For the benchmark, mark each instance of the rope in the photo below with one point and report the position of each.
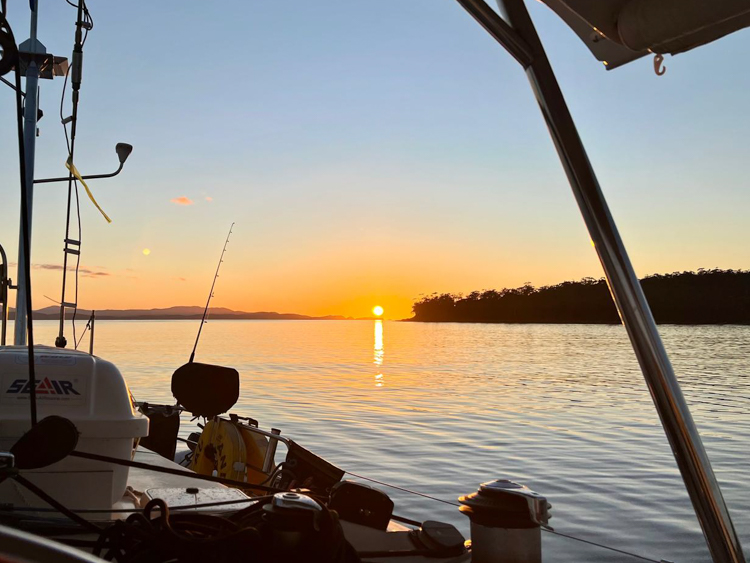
(136, 510)
(641, 557)
(402, 489)
(51, 501)
(179, 472)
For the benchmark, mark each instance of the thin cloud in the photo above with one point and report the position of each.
(209, 198)
(85, 272)
(182, 200)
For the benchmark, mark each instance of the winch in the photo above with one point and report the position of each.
(506, 520)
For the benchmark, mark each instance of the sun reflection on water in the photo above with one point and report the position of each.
(378, 352)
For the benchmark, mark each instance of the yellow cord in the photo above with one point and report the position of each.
(73, 170)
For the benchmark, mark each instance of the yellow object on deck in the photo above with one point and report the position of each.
(255, 448)
(232, 450)
(221, 449)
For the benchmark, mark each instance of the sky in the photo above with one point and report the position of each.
(368, 153)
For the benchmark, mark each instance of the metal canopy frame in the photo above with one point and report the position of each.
(515, 31)
(5, 284)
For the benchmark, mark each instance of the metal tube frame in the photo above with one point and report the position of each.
(31, 105)
(271, 451)
(628, 295)
(274, 437)
(4, 286)
(500, 30)
(91, 177)
(91, 336)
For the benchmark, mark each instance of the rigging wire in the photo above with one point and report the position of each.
(88, 20)
(84, 22)
(10, 84)
(137, 510)
(402, 489)
(63, 120)
(590, 542)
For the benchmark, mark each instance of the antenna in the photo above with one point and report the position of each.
(210, 295)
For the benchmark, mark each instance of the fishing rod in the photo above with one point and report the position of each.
(210, 295)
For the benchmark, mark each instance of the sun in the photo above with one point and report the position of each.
(377, 310)
(146, 251)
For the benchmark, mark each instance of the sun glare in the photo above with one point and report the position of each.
(377, 311)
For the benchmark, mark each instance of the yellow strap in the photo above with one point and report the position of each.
(73, 170)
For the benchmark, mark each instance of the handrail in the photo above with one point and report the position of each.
(274, 437)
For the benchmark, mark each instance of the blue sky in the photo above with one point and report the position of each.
(368, 152)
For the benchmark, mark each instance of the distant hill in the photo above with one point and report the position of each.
(180, 312)
(702, 297)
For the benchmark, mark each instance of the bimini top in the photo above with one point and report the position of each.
(620, 31)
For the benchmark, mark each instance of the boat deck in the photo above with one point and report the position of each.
(175, 490)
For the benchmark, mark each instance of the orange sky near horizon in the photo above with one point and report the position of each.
(414, 160)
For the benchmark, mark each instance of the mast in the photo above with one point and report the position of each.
(31, 106)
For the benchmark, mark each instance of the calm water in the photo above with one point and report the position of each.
(439, 408)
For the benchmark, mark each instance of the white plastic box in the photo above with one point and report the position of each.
(92, 394)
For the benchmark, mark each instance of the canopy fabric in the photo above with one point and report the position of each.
(619, 31)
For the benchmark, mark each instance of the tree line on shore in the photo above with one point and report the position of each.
(703, 297)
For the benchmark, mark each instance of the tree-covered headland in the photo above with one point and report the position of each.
(702, 297)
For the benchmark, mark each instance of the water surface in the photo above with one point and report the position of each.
(440, 408)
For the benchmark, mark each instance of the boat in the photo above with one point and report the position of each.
(87, 472)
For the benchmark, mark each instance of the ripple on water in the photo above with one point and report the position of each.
(441, 408)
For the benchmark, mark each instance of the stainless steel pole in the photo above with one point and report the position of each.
(31, 106)
(4, 284)
(91, 339)
(628, 295)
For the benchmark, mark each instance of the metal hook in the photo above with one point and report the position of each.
(658, 68)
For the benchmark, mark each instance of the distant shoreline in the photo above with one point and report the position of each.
(705, 297)
(181, 313)
(411, 320)
(85, 316)
(600, 323)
